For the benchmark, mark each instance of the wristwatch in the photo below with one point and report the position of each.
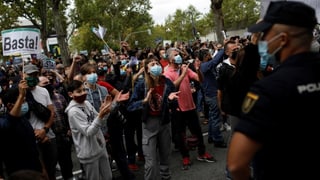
(46, 129)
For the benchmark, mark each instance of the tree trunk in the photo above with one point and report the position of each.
(216, 7)
(61, 33)
(43, 27)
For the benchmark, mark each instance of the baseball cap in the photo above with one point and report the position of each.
(288, 13)
(30, 68)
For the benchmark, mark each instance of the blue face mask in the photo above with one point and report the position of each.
(123, 62)
(122, 72)
(92, 78)
(164, 56)
(156, 70)
(178, 59)
(24, 108)
(265, 56)
(105, 68)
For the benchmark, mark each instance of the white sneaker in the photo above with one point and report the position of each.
(227, 126)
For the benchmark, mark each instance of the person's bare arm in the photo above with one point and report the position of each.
(16, 109)
(75, 61)
(61, 79)
(136, 75)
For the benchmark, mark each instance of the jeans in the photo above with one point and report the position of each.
(199, 101)
(214, 120)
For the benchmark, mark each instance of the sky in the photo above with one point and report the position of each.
(163, 8)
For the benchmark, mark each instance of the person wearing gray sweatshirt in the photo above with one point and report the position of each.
(85, 124)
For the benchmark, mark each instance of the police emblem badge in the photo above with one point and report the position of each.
(249, 101)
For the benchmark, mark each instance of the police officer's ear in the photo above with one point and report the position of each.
(284, 37)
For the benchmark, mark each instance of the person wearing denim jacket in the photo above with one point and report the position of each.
(155, 96)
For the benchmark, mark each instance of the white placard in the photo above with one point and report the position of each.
(48, 64)
(20, 41)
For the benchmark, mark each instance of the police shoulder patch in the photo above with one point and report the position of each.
(249, 102)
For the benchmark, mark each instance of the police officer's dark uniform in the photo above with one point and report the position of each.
(280, 111)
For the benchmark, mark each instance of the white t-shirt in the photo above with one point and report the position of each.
(41, 95)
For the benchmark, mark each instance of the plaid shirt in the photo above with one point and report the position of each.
(61, 124)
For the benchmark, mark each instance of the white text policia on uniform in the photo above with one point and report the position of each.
(311, 87)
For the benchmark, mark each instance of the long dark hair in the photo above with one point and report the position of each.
(150, 83)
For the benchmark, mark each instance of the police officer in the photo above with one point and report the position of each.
(274, 132)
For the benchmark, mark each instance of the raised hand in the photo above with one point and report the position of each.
(184, 69)
(77, 58)
(23, 88)
(107, 101)
(105, 107)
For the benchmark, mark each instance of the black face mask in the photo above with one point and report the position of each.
(50, 89)
(234, 54)
(80, 99)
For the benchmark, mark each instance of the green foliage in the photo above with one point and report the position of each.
(238, 15)
(85, 40)
(183, 25)
(8, 17)
(38, 12)
(120, 18)
(123, 19)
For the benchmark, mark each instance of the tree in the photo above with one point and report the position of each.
(9, 19)
(37, 12)
(60, 30)
(216, 7)
(238, 15)
(120, 18)
(182, 25)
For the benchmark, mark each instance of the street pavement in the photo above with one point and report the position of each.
(198, 170)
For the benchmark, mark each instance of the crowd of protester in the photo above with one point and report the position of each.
(134, 79)
(154, 97)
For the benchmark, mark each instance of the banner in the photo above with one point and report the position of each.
(20, 41)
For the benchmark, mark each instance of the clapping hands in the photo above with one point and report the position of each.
(105, 107)
(122, 97)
